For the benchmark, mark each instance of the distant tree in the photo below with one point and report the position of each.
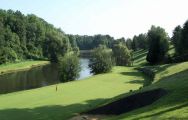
(158, 45)
(143, 41)
(121, 40)
(184, 39)
(180, 41)
(121, 55)
(129, 44)
(176, 39)
(72, 40)
(140, 42)
(69, 67)
(90, 42)
(101, 61)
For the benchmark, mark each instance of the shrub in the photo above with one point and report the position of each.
(121, 54)
(101, 61)
(69, 67)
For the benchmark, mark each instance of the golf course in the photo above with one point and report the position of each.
(94, 60)
(76, 97)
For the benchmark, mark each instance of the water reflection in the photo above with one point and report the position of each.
(36, 77)
(85, 72)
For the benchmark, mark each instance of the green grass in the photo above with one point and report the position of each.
(10, 67)
(171, 50)
(139, 57)
(174, 106)
(71, 98)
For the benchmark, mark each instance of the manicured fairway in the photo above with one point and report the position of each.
(139, 58)
(71, 98)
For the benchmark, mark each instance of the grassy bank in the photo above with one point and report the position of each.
(140, 58)
(174, 106)
(71, 98)
(11, 67)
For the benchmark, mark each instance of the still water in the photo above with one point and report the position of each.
(36, 77)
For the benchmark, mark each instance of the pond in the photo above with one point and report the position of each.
(37, 77)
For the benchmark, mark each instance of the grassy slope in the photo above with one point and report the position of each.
(139, 58)
(10, 67)
(73, 97)
(174, 106)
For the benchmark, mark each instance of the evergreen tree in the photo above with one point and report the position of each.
(184, 39)
(176, 40)
(158, 45)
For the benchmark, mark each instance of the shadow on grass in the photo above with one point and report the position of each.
(159, 68)
(177, 94)
(137, 74)
(129, 103)
(54, 112)
(139, 51)
(140, 55)
(136, 82)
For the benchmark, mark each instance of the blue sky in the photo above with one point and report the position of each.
(118, 18)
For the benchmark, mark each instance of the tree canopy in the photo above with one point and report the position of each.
(121, 54)
(29, 37)
(69, 67)
(101, 61)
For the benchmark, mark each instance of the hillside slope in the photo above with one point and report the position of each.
(174, 106)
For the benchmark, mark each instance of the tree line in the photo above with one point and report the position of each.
(180, 41)
(86, 42)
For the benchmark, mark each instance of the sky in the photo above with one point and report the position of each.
(118, 18)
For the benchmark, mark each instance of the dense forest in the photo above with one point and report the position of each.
(29, 37)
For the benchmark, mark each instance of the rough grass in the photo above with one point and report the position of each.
(11, 67)
(71, 98)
